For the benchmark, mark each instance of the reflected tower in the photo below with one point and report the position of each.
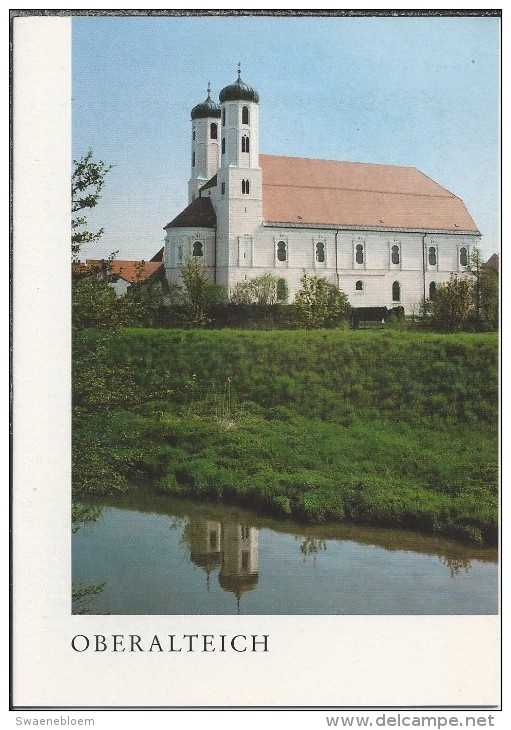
(239, 571)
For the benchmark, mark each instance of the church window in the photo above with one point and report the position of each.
(245, 144)
(359, 253)
(193, 159)
(245, 118)
(463, 256)
(245, 532)
(197, 248)
(223, 188)
(213, 130)
(320, 252)
(359, 285)
(179, 253)
(432, 256)
(396, 292)
(245, 187)
(281, 251)
(432, 290)
(193, 134)
(223, 145)
(394, 254)
(223, 117)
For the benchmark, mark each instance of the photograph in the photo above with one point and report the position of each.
(285, 314)
(256, 360)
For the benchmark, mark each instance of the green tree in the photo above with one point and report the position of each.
(320, 303)
(266, 289)
(87, 181)
(200, 292)
(452, 305)
(485, 291)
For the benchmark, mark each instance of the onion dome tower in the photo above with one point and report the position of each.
(205, 144)
(239, 105)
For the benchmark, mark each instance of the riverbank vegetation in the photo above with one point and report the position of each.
(390, 428)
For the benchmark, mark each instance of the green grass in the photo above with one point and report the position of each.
(381, 427)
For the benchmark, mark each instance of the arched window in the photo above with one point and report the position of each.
(432, 256)
(394, 254)
(281, 251)
(193, 133)
(320, 252)
(359, 286)
(245, 187)
(396, 292)
(197, 249)
(245, 144)
(223, 188)
(213, 130)
(432, 290)
(359, 253)
(223, 145)
(223, 117)
(245, 118)
(193, 159)
(463, 256)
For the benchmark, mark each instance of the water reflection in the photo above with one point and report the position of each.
(233, 548)
(160, 555)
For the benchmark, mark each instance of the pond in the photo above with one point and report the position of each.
(161, 556)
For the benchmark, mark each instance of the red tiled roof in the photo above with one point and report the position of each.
(131, 271)
(326, 192)
(199, 214)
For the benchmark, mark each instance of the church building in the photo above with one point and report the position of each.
(385, 235)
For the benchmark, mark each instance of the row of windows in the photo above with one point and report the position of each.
(245, 187)
(245, 116)
(245, 144)
(213, 131)
(396, 289)
(395, 255)
(282, 253)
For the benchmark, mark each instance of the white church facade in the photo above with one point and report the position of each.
(385, 235)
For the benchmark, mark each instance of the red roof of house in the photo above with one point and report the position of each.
(131, 271)
(355, 194)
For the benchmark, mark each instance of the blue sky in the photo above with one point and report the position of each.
(419, 92)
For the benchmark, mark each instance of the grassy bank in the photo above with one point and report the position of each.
(379, 427)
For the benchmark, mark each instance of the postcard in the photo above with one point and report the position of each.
(256, 360)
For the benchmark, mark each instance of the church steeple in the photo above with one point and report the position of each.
(205, 144)
(239, 105)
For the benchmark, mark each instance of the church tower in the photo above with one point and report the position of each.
(205, 144)
(239, 196)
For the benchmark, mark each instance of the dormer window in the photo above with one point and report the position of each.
(245, 115)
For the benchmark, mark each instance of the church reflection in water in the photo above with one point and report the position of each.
(229, 547)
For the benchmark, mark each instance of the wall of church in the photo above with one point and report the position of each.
(183, 243)
(372, 268)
